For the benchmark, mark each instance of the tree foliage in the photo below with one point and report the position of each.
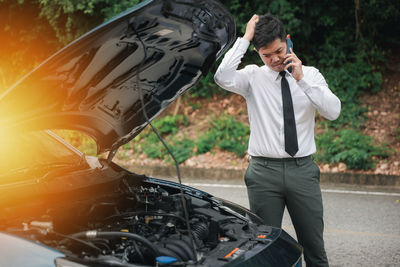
(71, 19)
(32, 30)
(325, 33)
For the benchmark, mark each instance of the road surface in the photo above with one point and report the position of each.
(362, 225)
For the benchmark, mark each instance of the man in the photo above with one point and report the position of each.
(281, 107)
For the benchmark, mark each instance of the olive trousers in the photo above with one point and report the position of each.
(273, 184)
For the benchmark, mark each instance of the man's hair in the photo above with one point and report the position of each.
(268, 28)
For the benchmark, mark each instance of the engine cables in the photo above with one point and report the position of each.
(185, 210)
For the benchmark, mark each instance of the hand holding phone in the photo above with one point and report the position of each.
(296, 65)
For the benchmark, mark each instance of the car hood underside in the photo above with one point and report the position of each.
(156, 50)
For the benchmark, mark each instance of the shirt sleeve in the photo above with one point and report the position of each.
(228, 76)
(321, 97)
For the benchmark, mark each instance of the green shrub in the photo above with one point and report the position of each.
(182, 148)
(354, 149)
(348, 82)
(227, 134)
(205, 142)
(194, 105)
(147, 141)
(153, 147)
(165, 125)
(169, 124)
(231, 135)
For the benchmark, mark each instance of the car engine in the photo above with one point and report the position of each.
(139, 223)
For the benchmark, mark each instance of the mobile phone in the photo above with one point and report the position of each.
(289, 44)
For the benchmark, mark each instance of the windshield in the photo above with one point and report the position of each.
(32, 150)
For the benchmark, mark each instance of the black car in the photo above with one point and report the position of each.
(60, 207)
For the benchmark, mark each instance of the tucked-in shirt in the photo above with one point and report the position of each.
(261, 87)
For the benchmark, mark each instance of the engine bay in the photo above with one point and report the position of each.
(137, 223)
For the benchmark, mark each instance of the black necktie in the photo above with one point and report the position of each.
(291, 146)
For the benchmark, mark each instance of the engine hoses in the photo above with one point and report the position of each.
(95, 234)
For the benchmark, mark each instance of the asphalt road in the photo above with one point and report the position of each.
(362, 225)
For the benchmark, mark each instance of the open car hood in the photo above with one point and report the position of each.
(91, 85)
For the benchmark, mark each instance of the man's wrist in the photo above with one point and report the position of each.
(247, 37)
(300, 78)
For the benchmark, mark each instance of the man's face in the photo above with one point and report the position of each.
(273, 54)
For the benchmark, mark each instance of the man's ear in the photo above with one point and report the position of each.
(255, 49)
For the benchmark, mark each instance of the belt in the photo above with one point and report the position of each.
(282, 159)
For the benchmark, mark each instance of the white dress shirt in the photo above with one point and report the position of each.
(261, 87)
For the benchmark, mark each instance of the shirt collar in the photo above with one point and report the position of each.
(274, 74)
(278, 76)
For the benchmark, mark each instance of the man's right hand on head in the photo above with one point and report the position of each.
(250, 28)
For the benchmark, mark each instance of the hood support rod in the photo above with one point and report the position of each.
(111, 154)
